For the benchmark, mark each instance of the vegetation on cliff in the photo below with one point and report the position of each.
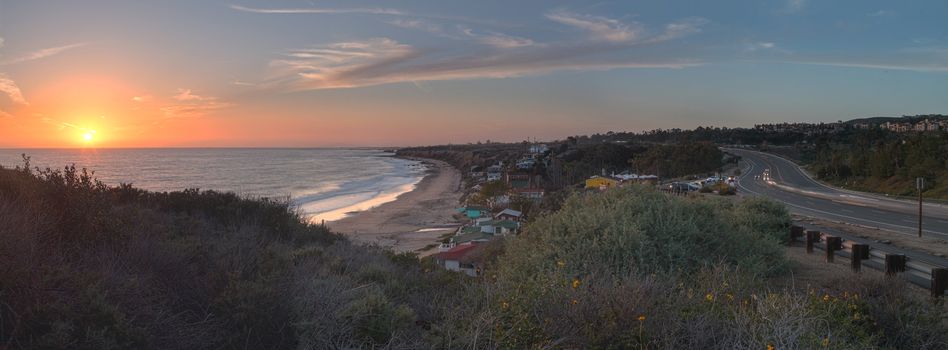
(88, 266)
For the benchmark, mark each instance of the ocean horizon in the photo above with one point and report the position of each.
(323, 183)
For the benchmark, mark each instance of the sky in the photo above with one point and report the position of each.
(327, 73)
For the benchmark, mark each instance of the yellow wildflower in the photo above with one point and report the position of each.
(641, 318)
(856, 316)
(561, 263)
(574, 302)
(770, 347)
(709, 297)
(504, 305)
(826, 342)
(730, 297)
(826, 297)
(576, 283)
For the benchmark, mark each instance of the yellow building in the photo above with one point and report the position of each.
(601, 182)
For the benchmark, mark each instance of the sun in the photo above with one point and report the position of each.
(88, 136)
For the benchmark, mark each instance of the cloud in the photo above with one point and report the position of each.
(794, 6)
(379, 61)
(915, 67)
(63, 125)
(764, 46)
(190, 104)
(680, 28)
(505, 41)
(498, 40)
(383, 61)
(187, 95)
(42, 53)
(417, 24)
(9, 88)
(601, 28)
(880, 13)
(364, 10)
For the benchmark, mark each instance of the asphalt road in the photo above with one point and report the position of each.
(780, 179)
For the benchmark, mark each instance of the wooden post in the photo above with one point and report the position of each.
(811, 238)
(833, 244)
(894, 263)
(939, 282)
(795, 231)
(860, 252)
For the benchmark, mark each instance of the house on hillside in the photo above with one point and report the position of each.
(494, 172)
(474, 212)
(526, 163)
(499, 227)
(460, 259)
(601, 182)
(532, 193)
(509, 215)
(518, 180)
(471, 234)
(539, 148)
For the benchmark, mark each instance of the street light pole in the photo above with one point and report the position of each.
(920, 184)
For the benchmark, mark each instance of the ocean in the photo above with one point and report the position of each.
(325, 184)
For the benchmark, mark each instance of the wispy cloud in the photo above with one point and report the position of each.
(43, 53)
(920, 67)
(794, 6)
(498, 40)
(382, 61)
(363, 10)
(418, 25)
(601, 28)
(8, 87)
(358, 10)
(189, 104)
(764, 47)
(188, 95)
(64, 125)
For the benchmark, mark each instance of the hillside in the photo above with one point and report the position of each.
(87, 266)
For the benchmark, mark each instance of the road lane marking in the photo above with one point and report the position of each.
(845, 216)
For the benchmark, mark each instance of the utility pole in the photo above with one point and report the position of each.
(920, 185)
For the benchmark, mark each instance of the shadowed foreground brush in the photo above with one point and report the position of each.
(88, 266)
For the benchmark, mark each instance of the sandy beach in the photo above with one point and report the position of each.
(415, 220)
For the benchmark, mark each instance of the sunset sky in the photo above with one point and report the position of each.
(389, 73)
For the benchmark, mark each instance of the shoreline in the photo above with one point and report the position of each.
(415, 220)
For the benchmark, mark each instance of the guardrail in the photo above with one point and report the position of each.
(926, 275)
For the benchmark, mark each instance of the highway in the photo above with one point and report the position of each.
(780, 179)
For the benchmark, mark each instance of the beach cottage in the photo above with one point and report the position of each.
(509, 214)
(499, 227)
(459, 259)
(474, 212)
